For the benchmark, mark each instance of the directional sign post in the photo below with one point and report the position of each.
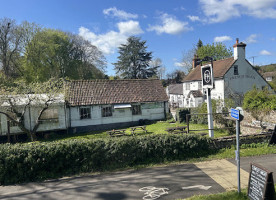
(235, 113)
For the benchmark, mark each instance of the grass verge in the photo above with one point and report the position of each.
(231, 195)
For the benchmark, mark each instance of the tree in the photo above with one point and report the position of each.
(56, 54)
(157, 63)
(174, 77)
(187, 60)
(133, 61)
(199, 44)
(13, 39)
(217, 51)
(16, 100)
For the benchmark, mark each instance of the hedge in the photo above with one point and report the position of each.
(39, 161)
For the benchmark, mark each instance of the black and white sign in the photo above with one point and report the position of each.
(207, 76)
(260, 186)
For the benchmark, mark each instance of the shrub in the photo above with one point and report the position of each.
(40, 161)
(259, 101)
(181, 114)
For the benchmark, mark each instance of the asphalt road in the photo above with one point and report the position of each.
(266, 161)
(162, 182)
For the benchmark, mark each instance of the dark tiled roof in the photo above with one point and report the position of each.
(195, 93)
(220, 67)
(175, 89)
(104, 91)
(269, 74)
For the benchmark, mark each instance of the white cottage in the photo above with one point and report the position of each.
(233, 77)
(108, 104)
(175, 94)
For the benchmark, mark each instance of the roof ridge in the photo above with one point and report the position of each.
(94, 80)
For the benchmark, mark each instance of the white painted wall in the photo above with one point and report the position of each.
(46, 126)
(150, 111)
(218, 91)
(244, 81)
(176, 98)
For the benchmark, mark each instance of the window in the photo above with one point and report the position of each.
(236, 70)
(106, 111)
(199, 85)
(85, 113)
(136, 110)
(187, 86)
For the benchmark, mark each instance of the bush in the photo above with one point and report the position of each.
(181, 114)
(40, 161)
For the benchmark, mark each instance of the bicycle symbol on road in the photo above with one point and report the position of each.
(153, 192)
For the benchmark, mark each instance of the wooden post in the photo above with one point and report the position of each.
(187, 122)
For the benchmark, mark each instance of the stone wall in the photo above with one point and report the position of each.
(227, 142)
(251, 125)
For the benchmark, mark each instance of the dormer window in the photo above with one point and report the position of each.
(236, 70)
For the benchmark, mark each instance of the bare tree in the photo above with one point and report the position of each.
(157, 64)
(13, 39)
(187, 60)
(15, 101)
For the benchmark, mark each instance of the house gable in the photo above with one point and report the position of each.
(220, 67)
(241, 77)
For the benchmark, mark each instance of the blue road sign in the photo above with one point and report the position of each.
(235, 114)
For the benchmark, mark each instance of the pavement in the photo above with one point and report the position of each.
(162, 183)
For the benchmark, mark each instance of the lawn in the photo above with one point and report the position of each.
(231, 195)
(155, 128)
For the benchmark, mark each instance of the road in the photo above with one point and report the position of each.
(162, 183)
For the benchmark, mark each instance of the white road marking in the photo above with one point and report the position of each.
(202, 187)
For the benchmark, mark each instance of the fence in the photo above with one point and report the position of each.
(222, 121)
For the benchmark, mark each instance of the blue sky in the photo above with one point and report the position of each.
(170, 27)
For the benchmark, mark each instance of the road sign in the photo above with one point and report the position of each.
(207, 76)
(235, 114)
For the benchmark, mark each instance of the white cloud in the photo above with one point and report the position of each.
(222, 10)
(265, 53)
(129, 28)
(114, 12)
(222, 38)
(179, 64)
(193, 18)
(109, 41)
(170, 25)
(251, 39)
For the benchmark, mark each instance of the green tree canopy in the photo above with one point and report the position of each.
(199, 44)
(217, 51)
(55, 54)
(134, 60)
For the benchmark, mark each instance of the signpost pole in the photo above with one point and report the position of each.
(238, 115)
(238, 153)
(210, 116)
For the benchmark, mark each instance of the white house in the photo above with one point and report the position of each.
(269, 76)
(96, 105)
(233, 77)
(107, 104)
(175, 94)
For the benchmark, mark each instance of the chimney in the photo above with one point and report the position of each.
(239, 50)
(195, 59)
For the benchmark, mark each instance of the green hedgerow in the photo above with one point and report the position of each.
(40, 161)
